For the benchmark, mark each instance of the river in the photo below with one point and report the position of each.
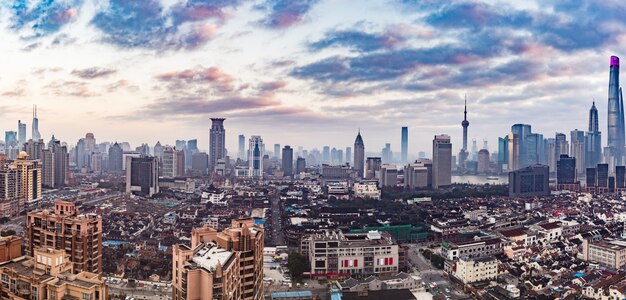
(479, 179)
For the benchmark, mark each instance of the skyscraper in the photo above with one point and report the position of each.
(615, 119)
(593, 140)
(513, 149)
(348, 154)
(287, 161)
(242, 147)
(115, 158)
(359, 155)
(142, 175)
(217, 143)
(277, 151)
(577, 150)
(326, 154)
(35, 129)
(566, 170)
(404, 145)
(256, 150)
(21, 132)
(442, 161)
(300, 165)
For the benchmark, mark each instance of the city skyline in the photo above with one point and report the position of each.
(272, 65)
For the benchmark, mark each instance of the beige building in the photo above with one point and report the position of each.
(470, 270)
(10, 247)
(607, 253)
(366, 189)
(48, 275)
(220, 265)
(29, 178)
(65, 229)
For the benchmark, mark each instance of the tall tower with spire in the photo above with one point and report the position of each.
(359, 155)
(615, 118)
(36, 136)
(463, 153)
(593, 139)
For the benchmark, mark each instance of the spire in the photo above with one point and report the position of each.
(465, 110)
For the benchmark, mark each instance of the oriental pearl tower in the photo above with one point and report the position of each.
(463, 152)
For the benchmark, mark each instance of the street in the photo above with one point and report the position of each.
(431, 274)
(276, 228)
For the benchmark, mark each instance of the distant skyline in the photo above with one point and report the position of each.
(305, 72)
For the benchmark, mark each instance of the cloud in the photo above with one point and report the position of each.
(121, 85)
(358, 40)
(286, 13)
(16, 92)
(199, 76)
(93, 72)
(272, 86)
(70, 88)
(146, 24)
(42, 18)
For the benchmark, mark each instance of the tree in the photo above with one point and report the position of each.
(297, 265)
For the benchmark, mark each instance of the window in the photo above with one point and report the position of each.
(86, 296)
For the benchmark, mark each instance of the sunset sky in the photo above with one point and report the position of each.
(305, 72)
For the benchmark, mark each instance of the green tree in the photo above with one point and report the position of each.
(297, 265)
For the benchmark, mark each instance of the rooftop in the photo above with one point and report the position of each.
(207, 256)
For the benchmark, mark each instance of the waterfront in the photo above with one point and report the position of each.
(479, 179)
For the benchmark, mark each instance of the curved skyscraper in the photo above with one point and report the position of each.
(615, 118)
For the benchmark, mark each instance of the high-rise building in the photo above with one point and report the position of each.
(10, 200)
(34, 148)
(158, 151)
(169, 162)
(334, 157)
(116, 158)
(463, 154)
(550, 153)
(577, 150)
(523, 131)
(30, 178)
(372, 167)
(602, 177)
(35, 127)
(404, 145)
(503, 152)
(442, 161)
(562, 147)
(217, 143)
(416, 175)
(79, 235)
(21, 132)
(47, 168)
(11, 147)
(615, 119)
(483, 161)
(530, 181)
(277, 151)
(256, 150)
(566, 170)
(386, 154)
(300, 165)
(242, 147)
(61, 164)
(388, 176)
(142, 175)
(287, 158)
(180, 163)
(348, 154)
(359, 155)
(79, 154)
(620, 177)
(326, 154)
(200, 163)
(220, 265)
(593, 140)
(514, 149)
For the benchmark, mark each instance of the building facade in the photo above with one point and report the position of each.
(442, 161)
(65, 229)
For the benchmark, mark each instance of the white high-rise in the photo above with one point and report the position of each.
(442, 161)
(256, 150)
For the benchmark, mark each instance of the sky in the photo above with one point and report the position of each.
(305, 72)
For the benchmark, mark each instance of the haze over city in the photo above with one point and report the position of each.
(299, 71)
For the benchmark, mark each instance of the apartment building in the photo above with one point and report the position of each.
(332, 253)
(79, 235)
(220, 265)
(470, 270)
(608, 253)
(48, 275)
